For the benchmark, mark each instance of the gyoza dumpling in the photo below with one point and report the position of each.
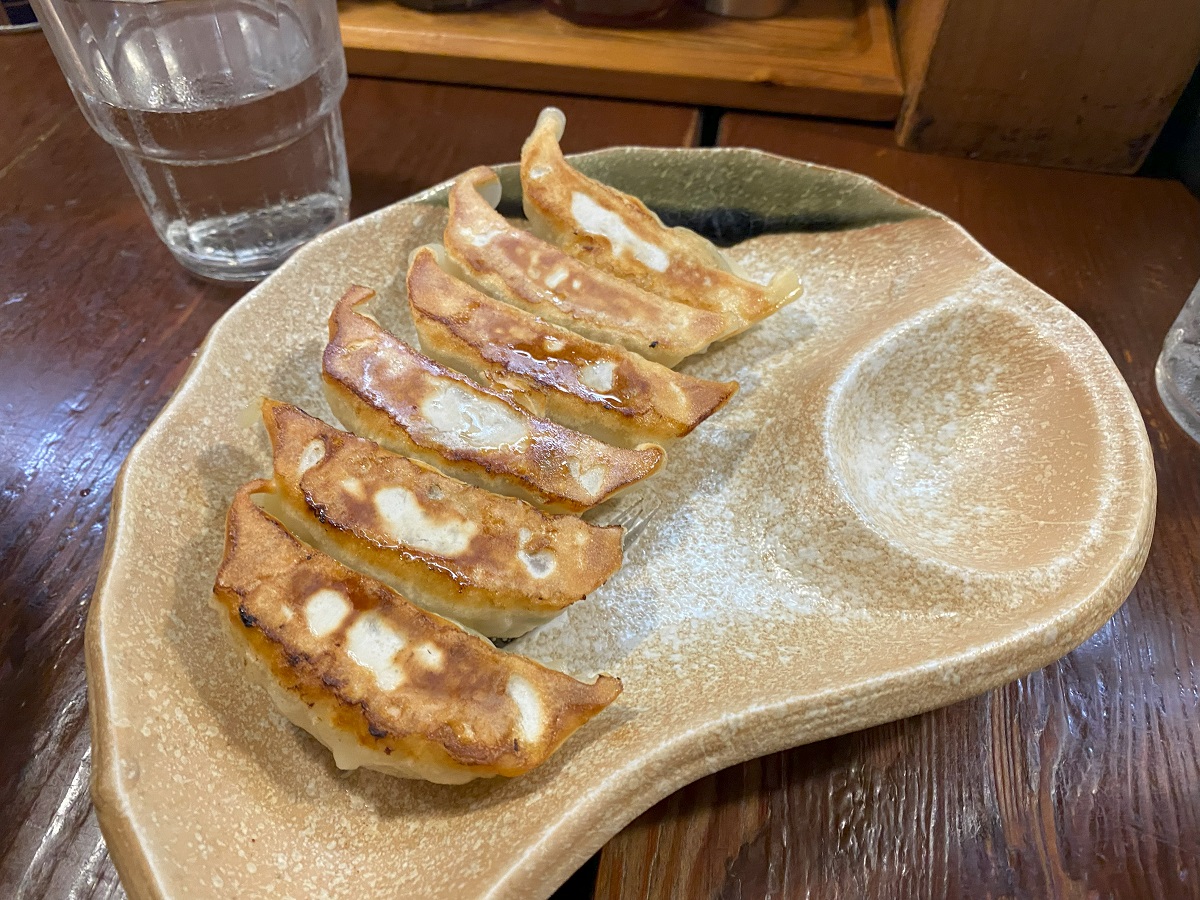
(617, 233)
(383, 389)
(603, 390)
(515, 266)
(494, 564)
(380, 682)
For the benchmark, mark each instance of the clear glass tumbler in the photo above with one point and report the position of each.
(1178, 369)
(224, 114)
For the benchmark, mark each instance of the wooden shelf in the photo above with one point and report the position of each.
(825, 57)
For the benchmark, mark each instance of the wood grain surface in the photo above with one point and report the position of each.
(97, 325)
(1081, 780)
(822, 57)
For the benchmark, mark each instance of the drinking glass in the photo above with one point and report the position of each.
(1178, 370)
(224, 114)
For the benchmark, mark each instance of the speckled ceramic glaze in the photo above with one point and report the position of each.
(932, 481)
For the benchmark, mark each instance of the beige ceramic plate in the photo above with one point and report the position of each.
(932, 481)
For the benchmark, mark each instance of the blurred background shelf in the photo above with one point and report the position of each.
(823, 57)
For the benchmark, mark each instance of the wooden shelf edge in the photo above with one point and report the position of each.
(867, 86)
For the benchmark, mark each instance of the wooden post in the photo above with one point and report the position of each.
(1083, 84)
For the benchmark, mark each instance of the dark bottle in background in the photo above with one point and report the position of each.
(613, 13)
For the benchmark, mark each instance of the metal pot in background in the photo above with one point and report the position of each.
(746, 9)
(446, 5)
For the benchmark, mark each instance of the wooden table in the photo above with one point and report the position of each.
(1080, 780)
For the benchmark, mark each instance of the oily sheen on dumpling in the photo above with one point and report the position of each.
(378, 681)
(601, 389)
(521, 269)
(494, 564)
(615, 232)
(384, 390)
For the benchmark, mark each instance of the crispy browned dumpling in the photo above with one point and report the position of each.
(604, 390)
(519, 268)
(615, 232)
(383, 389)
(494, 564)
(380, 682)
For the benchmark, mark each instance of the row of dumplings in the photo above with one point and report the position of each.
(362, 579)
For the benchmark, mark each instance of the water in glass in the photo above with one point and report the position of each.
(225, 116)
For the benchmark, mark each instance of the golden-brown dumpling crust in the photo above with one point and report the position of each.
(521, 269)
(388, 685)
(604, 390)
(492, 563)
(383, 389)
(615, 232)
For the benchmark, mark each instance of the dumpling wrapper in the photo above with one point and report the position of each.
(380, 682)
(494, 564)
(519, 268)
(615, 232)
(383, 389)
(600, 389)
